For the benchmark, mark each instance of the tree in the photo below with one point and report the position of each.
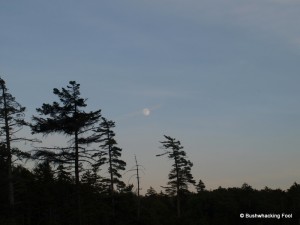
(137, 169)
(151, 192)
(246, 187)
(91, 179)
(68, 118)
(11, 121)
(138, 189)
(44, 189)
(293, 194)
(137, 175)
(180, 175)
(63, 175)
(200, 186)
(110, 155)
(43, 172)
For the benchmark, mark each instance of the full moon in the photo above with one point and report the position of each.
(146, 112)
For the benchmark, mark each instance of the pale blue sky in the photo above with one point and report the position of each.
(221, 76)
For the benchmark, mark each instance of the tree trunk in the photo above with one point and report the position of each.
(111, 179)
(9, 162)
(77, 182)
(177, 186)
(138, 191)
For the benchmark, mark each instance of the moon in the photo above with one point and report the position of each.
(146, 112)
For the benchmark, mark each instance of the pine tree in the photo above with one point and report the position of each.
(110, 155)
(63, 175)
(151, 192)
(12, 120)
(44, 189)
(180, 175)
(200, 186)
(44, 173)
(93, 180)
(68, 118)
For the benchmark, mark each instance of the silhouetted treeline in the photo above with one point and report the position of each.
(45, 197)
(65, 186)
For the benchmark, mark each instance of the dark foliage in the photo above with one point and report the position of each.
(45, 199)
(12, 121)
(67, 117)
(180, 175)
(110, 154)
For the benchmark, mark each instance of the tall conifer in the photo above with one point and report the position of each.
(68, 117)
(110, 155)
(12, 120)
(180, 175)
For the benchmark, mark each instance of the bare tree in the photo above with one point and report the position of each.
(137, 169)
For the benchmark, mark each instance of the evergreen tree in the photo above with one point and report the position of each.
(110, 154)
(63, 175)
(180, 175)
(44, 189)
(93, 180)
(200, 186)
(151, 192)
(3, 183)
(44, 173)
(11, 121)
(67, 117)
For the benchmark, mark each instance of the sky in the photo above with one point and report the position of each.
(220, 76)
